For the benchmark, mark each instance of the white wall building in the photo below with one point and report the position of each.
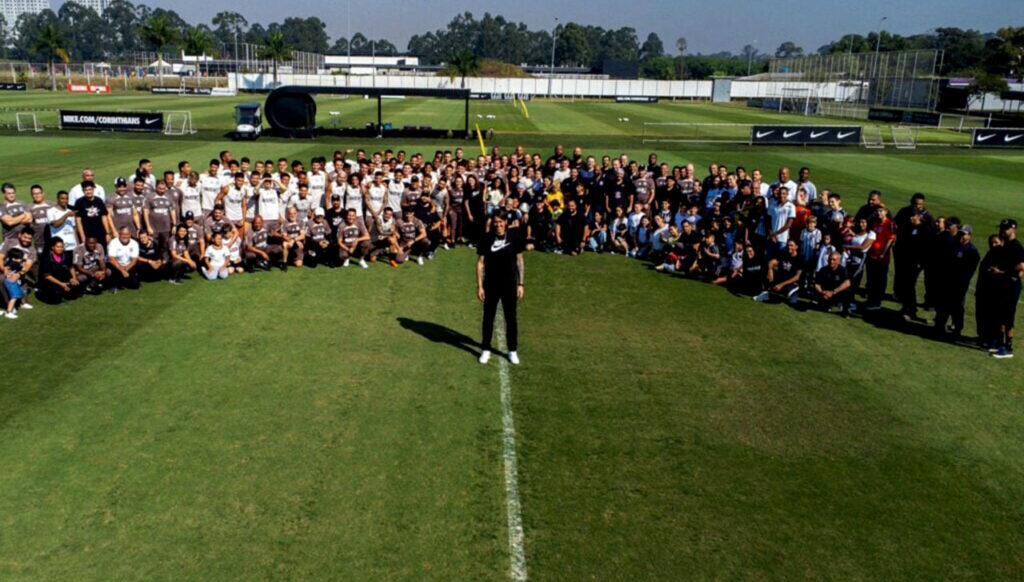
(12, 9)
(98, 5)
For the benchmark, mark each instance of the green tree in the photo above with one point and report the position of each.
(681, 45)
(788, 50)
(661, 68)
(652, 48)
(198, 42)
(229, 26)
(275, 50)
(985, 82)
(80, 24)
(462, 63)
(571, 47)
(158, 32)
(120, 22)
(51, 40)
(5, 35)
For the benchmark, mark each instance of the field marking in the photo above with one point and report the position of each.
(516, 550)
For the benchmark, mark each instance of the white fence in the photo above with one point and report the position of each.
(778, 89)
(522, 86)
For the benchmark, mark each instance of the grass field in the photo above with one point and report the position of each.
(335, 425)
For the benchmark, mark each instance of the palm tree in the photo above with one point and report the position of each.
(275, 50)
(462, 63)
(51, 41)
(198, 42)
(157, 32)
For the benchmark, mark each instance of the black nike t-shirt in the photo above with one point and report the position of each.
(499, 253)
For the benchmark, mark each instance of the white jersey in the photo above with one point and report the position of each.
(354, 199)
(209, 187)
(218, 256)
(269, 204)
(191, 199)
(395, 191)
(303, 205)
(66, 230)
(233, 203)
(317, 187)
(378, 196)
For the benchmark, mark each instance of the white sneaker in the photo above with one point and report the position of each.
(485, 356)
(419, 261)
(762, 297)
(446, 247)
(13, 315)
(362, 263)
(26, 305)
(346, 263)
(513, 358)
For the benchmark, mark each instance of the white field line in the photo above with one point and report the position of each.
(517, 553)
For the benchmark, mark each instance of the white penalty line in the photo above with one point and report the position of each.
(516, 550)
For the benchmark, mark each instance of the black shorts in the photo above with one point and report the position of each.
(1006, 306)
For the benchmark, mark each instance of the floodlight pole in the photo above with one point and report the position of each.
(551, 75)
(878, 46)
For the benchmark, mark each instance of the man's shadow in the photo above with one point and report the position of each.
(441, 334)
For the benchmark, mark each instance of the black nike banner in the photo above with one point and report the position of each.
(997, 138)
(805, 135)
(112, 120)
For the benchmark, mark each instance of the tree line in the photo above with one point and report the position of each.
(124, 27)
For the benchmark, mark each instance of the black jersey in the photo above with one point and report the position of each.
(500, 254)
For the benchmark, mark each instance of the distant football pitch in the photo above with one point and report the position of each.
(334, 424)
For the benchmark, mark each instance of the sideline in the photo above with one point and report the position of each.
(517, 553)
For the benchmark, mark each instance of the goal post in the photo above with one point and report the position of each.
(178, 123)
(871, 137)
(27, 121)
(904, 138)
(797, 100)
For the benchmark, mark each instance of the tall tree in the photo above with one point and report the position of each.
(5, 35)
(198, 42)
(275, 50)
(158, 32)
(360, 44)
(229, 26)
(303, 34)
(681, 45)
(788, 50)
(120, 23)
(652, 48)
(51, 40)
(80, 24)
(462, 63)
(572, 47)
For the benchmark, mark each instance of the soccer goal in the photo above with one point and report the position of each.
(27, 121)
(178, 123)
(798, 100)
(671, 132)
(903, 138)
(871, 137)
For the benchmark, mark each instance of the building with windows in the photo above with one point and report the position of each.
(98, 5)
(12, 9)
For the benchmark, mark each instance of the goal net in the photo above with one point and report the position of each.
(871, 137)
(178, 123)
(27, 121)
(904, 138)
(670, 132)
(799, 100)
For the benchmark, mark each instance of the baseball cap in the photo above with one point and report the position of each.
(121, 181)
(189, 215)
(967, 228)
(1007, 224)
(318, 212)
(335, 196)
(953, 220)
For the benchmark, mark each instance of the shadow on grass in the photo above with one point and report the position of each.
(440, 334)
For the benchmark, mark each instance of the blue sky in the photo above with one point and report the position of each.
(707, 26)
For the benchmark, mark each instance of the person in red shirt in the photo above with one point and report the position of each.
(802, 212)
(878, 258)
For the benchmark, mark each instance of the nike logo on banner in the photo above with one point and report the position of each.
(844, 135)
(761, 134)
(986, 137)
(789, 134)
(151, 121)
(1008, 138)
(817, 134)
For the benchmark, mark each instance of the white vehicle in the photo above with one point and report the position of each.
(248, 121)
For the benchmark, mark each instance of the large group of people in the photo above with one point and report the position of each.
(773, 239)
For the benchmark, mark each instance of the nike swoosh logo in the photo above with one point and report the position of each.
(844, 134)
(789, 134)
(986, 137)
(1008, 139)
(151, 121)
(761, 134)
(817, 134)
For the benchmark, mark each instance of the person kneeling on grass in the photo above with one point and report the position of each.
(91, 266)
(182, 258)
(783, 275)
(259, 253)
(123, 258)
(353, 240)
(58, 280)
(216, 261)
(832, 285)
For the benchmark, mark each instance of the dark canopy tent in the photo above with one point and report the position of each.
(291, 112)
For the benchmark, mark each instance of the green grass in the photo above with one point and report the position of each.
(322, 425)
